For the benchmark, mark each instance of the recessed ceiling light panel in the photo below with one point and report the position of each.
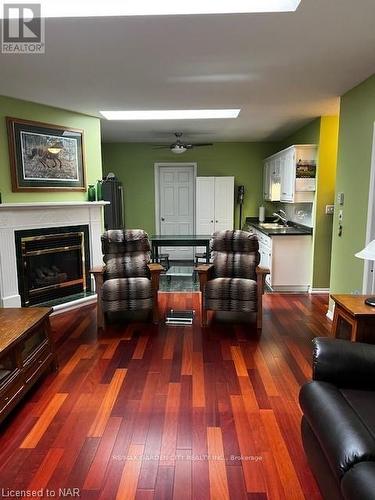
(90, 8)
(172, 114)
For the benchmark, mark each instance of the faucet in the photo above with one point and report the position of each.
(281, 216)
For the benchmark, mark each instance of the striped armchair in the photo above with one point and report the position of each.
(234, 281)
(127, 281)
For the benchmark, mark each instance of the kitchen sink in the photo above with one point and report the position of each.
(271, 225)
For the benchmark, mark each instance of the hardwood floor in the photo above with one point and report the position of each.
(151, 412)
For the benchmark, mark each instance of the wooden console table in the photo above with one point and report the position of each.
(26, 352)
(360, 317)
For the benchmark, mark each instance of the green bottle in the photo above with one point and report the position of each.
(91, 193)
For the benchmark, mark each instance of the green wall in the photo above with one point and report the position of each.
(325, 195)
(323, 132)
(309, 134)
(357, 119)
(133, 163)
(32, 111)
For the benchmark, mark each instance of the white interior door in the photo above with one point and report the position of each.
(176, 207)
(224, 203)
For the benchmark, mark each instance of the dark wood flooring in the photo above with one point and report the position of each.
(151, 412)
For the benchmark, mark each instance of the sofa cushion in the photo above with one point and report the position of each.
(363, 404)
(344, 437)
(126, 288)
(359, 482)
(231, 294)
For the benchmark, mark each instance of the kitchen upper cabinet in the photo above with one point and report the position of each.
(280, 175)
(287, 175)
(215, 204)
(271, 180)
(267, 181)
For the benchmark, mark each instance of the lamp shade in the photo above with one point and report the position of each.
(368, 253)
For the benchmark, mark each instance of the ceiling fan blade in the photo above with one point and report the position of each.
(201, 144)
(165, 146)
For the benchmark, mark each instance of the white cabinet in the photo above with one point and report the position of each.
(289, 260)
(271, 180)
(267, 181)
(280, 174)
(215, 204)
(287, 175)
(224, 203)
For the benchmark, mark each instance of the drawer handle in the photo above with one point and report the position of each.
(40, 361)
(6, 399)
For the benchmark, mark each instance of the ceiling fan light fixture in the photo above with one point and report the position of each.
(114, 8)
(178, 149)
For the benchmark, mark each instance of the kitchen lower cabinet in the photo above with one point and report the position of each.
(288, 257)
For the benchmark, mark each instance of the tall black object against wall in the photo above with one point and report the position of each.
(112, 191)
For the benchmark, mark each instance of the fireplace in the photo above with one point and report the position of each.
(52, 263)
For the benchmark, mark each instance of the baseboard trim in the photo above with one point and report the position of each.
(74, 304)
(319, 290)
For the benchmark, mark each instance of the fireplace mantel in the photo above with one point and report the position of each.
(51, 204)
(18, 216)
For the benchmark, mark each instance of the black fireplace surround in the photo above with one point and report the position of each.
(52, 263)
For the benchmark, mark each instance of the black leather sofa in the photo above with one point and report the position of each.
(338, 423)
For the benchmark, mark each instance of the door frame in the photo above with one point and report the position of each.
(157, 190)
(368, 273)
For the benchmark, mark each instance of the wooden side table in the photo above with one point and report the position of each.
(360, 317)
(26, 352)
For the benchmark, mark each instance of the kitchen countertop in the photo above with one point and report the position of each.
(293, 229)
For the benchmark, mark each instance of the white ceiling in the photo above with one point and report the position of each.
(282, 70)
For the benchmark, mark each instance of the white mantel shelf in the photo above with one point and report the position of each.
(52, 204)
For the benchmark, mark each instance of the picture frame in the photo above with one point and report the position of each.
(45, 157)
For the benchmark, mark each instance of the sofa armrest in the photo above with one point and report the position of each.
(344, 364)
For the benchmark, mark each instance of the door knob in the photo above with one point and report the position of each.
(212, 221)
(163, 219)
(216, 221)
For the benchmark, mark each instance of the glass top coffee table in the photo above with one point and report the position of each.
(180, 271)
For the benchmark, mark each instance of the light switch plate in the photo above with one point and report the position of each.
(330, 209)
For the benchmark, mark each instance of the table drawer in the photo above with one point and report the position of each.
(11, 394)
(33, 370)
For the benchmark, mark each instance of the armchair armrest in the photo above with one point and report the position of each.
(344, 364)
(205, 273)
(262, 271)
(155, 270)
(97, 270)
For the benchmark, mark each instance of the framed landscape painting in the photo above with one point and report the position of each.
(45, 157)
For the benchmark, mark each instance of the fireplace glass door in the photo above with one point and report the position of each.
(53, 266)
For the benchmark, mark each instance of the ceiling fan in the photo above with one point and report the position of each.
(179, 146)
